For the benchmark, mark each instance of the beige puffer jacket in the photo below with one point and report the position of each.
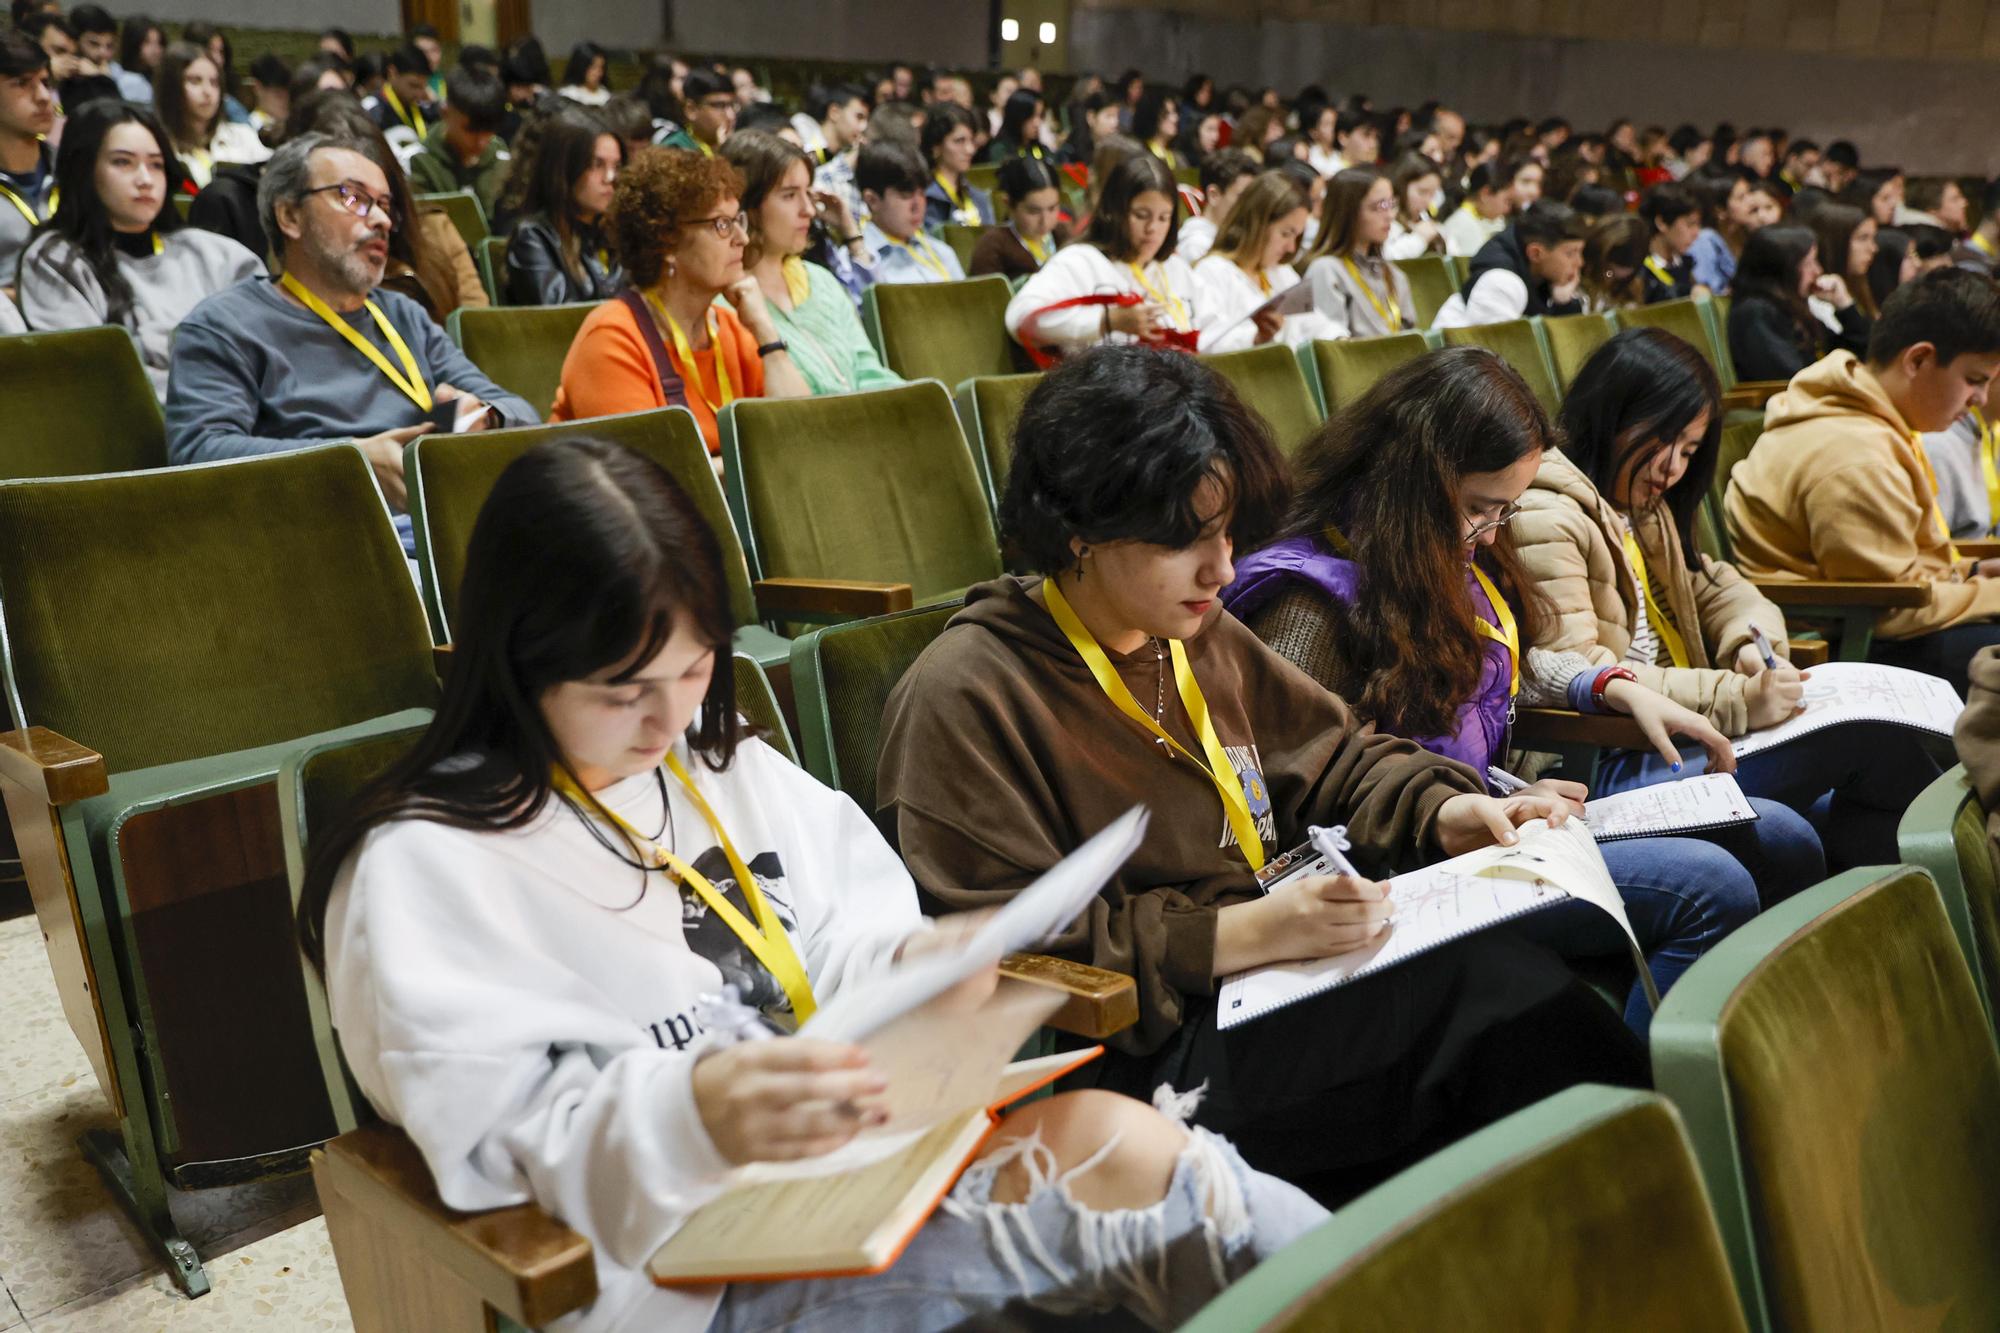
(1570, 544)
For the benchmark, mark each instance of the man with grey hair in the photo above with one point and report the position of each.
(319, 354)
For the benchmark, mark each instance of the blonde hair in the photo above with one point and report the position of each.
(1243, 233)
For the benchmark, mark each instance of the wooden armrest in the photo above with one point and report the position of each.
(1785, 592)
(1807, 652)
(1751, 394)
(779, 598)
(51, 766)
(519, 1260)
(1100, 1002)
(1559, 726)
(1979, 548)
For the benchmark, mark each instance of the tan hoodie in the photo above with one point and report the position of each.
(1572, 548)
(1834, 490)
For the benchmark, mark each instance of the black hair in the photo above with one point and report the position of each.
(769, 117)
(408, 59)
(941, 119)
(565, 148)
(343, 38)
(1798, 148)
(1134, 176)
(1546, 222)
(1667, 203)
(1684, 138)
(132, 41)
(474, 56)
(1930, 242)
(80, 217)
(704, 82)
(581, 57)
(20, 54)
(823, 100)
(306, 76)
(203, 34)
(1596, 201)
(889, 164)
(1630, 402)
(92, 18)
(1224, 167)
(170, 96)
(1769, 269)
(1955, 310)
(1842, 154)
(1149, 111)
(526, 63)
(584, 557)
(271, 71)
(478, 96)
(424, 30)
(1021, 175)
(1885, 271)
(1114, 444)
(627, 116)
(1022, 104)
(656, 89)
(37, 24)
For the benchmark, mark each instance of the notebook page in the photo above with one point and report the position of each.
(1711, 800)
(1863, 692)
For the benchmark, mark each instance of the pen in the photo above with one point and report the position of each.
(1763, 646)
(1332, 844)
(1506, 782)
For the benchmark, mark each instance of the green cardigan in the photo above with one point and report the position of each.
(827, 342)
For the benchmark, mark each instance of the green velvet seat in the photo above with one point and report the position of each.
(874, 486)
(988, 407)
(1582, 1212)
(1684, 318)
(1270, 383)
(520, 347)
(463, 208)
(962, 238)
(1573, 340)
(945, 331)
(1343, 369)
(1945, 832)
(841, 678)
(492, 256)
(1432, 282)
(201, 622)
(1841, 1088)
(1518, 342)
(105, 419)
(449, 477)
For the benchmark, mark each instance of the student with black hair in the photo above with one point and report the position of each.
(1933, 201)
(404, 111)
(1156, 122)
(96, 34)
(586, 76)
(560, 250)
(270, 89)
(1895, 263)
(1029, 239)
(141, 43)
(1733, 205)
(844, 128)
(1847, 244)
(1416, 184)
(27, 164)
(893, 183)
(840, 123)
(711, 108)
(116, 251)
(1799, 166)
(187, 95)
(1225, 175)
(949, 141)
(1773, 333)
(463, 150)
(1674, 216)
(1481, 215)
(1358, 137)
(1836, 489)
(1531, 268)
(1135, 476)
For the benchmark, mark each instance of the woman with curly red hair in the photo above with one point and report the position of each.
(679, 228)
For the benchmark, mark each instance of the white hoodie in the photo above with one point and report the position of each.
(1081, 269)
(527, 1015)
(1226, 294)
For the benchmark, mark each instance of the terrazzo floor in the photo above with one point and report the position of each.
(70, 1262)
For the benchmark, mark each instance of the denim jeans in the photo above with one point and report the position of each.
(1853, 781)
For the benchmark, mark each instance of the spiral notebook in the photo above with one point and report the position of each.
(1691, 805)
(1435, 906)
(1863, 692)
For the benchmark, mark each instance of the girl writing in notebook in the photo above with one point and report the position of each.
(1607, 533)
(1051, 703)
(521, 922)
(1397, 587)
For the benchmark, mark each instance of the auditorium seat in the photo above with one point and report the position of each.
(463, 208)
(1270, 383)
(961, 238)
(76, 403)
(492, 256)
(1841, 1087)
(988, 407)
(520, 347)
(1583, 1211)
(1343, 369)
(1432, 283)
(1519, 343)
(1944, 831)
(946, 331)
(1572, 341)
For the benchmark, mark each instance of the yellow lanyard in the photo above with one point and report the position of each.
(200, 157)
(963, 209)
(1176, 308)
(1165, 154)
(918, 247)
(1507, 633)
(684, 352)
(1984, 246)
(1656, 616)
(27, 210)
(798, 282)
(411, 117)
(1659, 270)
(1990, 465)
(767, 938)
(409, 380)
(1039, 248)
(1229, 786)
(1392, 314)
(1924, 462)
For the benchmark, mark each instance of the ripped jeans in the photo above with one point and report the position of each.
(981, 1264)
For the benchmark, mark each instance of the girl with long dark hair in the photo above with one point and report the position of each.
(116, 251)
(1356, 292)
(585, 75)
(558, 252)
(140, 44)
(187, 95)
(1032, 192)
(524, 921)
(1020, 129)
(1773, 333)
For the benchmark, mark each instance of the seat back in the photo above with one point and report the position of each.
(106, 419)
(1841, 1088)
(1716, 309)
(988, 407)
(841, 679)
(962, 237)
(1270, 383)
(1739, 437)
(1573, 340)
(449, 477)
(206, 609)
(1347, 368)
(520, 347)
(1432, 283)
(1518, 342)
(983, 176)
(1944, 831)
(878, 485)
(1683, 318)
(946, 331)
(492, 256)
(1584, 1211)
(462, 207)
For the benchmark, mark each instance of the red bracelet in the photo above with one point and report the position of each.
(1604, 679)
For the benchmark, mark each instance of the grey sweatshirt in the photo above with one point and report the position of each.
(255, 374)
(59, 290)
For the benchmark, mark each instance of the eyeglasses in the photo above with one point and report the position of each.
(1383, 206)
(718, 103)
(722, 226)
(1507, 515)
(358, 200)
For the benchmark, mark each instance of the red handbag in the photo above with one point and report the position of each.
(1044, 357)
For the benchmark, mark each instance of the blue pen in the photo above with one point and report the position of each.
(1764, 647)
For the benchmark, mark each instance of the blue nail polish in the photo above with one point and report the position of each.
(1677, 765)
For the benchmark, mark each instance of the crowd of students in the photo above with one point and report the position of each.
(1349, 632)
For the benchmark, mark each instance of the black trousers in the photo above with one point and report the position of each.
(1947, 652)
(1342, 1090)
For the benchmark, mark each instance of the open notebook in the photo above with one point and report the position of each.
(1691, 805)
(1435, 906)
(1863, 692)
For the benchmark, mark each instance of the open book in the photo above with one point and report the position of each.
(1691, 805)
(1863, 692)
(1437, 905)
(1294, 300)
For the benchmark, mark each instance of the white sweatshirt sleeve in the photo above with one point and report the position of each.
(1224, 296)
(1498, 295)
(1076, 270)
(57, 290)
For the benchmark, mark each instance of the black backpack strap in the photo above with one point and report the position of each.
(672, 387)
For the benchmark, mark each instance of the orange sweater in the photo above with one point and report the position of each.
(608, 370)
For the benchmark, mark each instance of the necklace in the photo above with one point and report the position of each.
(1160, 700)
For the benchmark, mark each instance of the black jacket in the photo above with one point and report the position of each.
(228, 205)
(535, 273)
(1505, 251)
(1766, 344)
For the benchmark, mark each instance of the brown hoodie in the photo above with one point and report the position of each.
(1000, 754)
(1977, 736)
(1833, 489)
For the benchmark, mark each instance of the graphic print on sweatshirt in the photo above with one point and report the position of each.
(1249, 768)
(710, 936)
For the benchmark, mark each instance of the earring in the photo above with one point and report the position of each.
(670, 266)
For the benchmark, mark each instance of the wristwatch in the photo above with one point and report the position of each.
(777, 345)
